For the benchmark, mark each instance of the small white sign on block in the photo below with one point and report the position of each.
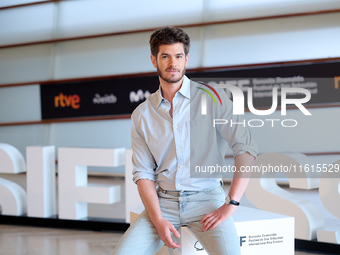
(264, 233)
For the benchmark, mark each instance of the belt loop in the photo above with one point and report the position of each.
(164, 191)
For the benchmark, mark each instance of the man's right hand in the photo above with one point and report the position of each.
(164, 229)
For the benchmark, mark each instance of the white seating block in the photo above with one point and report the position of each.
(260, 232)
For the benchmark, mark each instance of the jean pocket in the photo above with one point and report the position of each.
(215, 191)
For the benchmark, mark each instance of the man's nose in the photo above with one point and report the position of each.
(173, 63)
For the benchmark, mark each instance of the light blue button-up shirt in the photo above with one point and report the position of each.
(164, 148)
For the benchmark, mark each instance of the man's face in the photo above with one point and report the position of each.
(170, 62)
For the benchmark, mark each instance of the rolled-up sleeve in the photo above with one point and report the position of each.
(235, 131)
(142, 159)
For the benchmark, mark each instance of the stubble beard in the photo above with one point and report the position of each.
(172, 79)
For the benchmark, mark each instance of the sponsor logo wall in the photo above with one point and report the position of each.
(95, 98)
(120, 96)
(321, 79)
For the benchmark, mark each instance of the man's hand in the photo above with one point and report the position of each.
(212, 220)
(164, 229)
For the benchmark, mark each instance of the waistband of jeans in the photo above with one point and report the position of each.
(178, 193)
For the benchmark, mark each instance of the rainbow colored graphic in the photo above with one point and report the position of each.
(209, 93)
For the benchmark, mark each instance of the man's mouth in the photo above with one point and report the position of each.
(172, 70)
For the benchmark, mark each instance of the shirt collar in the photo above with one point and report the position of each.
(184, 90)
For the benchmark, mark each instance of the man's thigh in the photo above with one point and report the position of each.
(140, 238)
(223, 240)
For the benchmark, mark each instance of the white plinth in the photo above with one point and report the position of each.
(260, 233)
(264, 233)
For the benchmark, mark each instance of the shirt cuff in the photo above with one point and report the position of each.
(143, 175)
(242, 150)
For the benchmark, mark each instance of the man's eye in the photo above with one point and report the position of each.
(164, 56)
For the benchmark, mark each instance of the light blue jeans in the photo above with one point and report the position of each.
(185, 208)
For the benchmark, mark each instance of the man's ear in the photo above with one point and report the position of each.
(186, 59)
(153, 60)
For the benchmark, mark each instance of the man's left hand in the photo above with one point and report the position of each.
(212, 220)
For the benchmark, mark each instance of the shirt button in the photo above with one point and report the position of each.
(178, 185)
(176, 126)
(180, 166)
(179, 148)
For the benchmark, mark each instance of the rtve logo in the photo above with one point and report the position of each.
(67, 101)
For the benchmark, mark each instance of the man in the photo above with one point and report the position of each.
(162, 154)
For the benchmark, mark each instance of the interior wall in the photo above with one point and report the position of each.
(262, 41)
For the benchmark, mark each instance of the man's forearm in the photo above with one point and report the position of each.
(147, 192)
(240, 180)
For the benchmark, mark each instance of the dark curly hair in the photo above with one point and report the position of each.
(169, 35)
